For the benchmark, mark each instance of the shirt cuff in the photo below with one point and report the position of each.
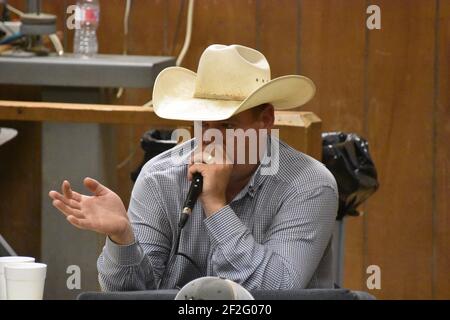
(224, 225)
(124, 255)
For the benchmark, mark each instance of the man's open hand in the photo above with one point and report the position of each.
(103, 212)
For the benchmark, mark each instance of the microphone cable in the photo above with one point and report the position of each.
(193, 193)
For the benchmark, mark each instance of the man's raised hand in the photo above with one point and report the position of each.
(102, 212)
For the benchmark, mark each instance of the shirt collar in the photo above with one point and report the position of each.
(257, 178)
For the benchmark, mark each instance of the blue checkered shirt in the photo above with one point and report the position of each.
(275, 234)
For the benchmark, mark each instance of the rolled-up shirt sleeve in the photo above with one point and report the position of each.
(138, 266)
(291, 250)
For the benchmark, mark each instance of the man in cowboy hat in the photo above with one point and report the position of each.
(262, 229)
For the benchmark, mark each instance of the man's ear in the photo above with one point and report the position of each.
(267, 116)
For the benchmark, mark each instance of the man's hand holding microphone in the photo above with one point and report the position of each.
(216, 171)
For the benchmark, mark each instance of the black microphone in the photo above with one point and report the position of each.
(194, 191)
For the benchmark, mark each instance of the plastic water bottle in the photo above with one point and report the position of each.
(87, 17)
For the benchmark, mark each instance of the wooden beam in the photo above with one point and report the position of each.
(71, 112)
(118, 114)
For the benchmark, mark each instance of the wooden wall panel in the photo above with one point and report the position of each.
(224, 22)
(176, 15)
(277, 34)
(147, 33)
(442, 157)
(110, 30)
(400, 95)
(332, 55)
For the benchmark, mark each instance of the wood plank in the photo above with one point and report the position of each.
(176, 17)
(105, 113)
(110, 30)
(277, 34)
(147, 34)
(67, 112)
(400, 95)
(442, 158)
(332, 41)
(224, 22)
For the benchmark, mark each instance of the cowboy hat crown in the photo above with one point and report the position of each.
(217, 78)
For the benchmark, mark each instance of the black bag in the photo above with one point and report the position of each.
(153, 142)
(347, 156)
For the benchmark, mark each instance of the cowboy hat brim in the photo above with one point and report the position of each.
(173, 96)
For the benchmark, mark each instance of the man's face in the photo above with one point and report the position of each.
(241, 133)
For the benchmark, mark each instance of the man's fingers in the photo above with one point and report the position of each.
(79, 223)
(69, 202)
(214, 156)
(76, 196)
(94, 186)
(193, 168)
(66, 210)
(66, 189)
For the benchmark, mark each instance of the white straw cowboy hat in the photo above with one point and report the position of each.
(229, 80)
